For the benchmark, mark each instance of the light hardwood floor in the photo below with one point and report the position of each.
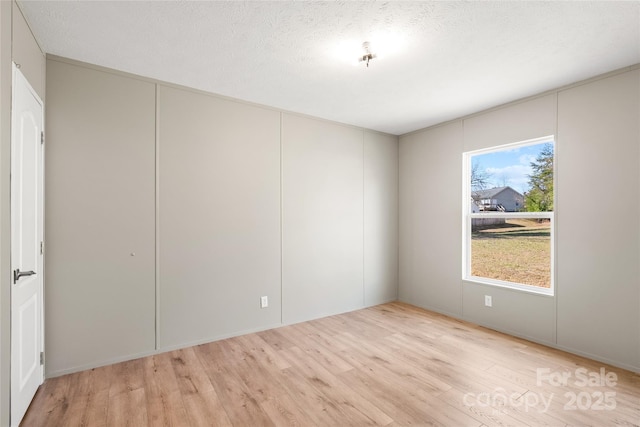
(390, 365)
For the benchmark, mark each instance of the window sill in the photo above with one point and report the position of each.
(509, 285)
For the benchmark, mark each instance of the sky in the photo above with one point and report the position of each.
(509, 167)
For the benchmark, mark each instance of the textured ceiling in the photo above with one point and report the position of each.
(438, 60)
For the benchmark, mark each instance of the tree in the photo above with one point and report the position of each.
(540, 197)
(479, 178)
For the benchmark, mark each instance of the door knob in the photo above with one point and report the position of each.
(17, 274)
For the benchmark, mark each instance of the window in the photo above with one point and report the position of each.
(508, 215)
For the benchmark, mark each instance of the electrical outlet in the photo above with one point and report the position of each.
(264, 302)
(488, 301)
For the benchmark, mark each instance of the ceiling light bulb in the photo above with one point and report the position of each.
(367, 56)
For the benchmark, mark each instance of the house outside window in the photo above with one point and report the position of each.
(508, 218)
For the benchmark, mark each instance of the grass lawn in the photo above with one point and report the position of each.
(518, 251)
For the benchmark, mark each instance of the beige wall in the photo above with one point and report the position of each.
(528, 315)
(430, 219)
(380, 218)
(5, 226)
(595, 309)
(219, 217)
(598, 269)
(237, 201)
(17, 44)
(322, 218)
(99, 218)
(27, 53)
(339, 216)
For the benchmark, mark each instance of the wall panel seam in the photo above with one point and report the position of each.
(281, 227)
(364, 271)
(555, 219)
(157, 219)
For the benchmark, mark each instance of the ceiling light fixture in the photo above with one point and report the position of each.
(367, 56)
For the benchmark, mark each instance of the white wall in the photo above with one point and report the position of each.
(595, 310)
(235, 201)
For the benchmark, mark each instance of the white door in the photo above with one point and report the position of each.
(26, 236)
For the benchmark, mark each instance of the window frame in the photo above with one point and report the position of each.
(467, 216)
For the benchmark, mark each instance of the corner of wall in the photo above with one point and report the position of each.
(5, 243)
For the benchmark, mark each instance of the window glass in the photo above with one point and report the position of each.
(508, 215)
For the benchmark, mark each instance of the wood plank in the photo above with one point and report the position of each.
(50, 403)
(205, 409)
(307, 341)
(90, 400)
(127, 377)
(241, 404)
(127, 408)
(356, 410)
(163, 397)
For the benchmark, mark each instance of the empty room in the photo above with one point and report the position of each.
(312, 213)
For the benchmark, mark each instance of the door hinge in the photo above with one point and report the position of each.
(41, 248)
(42, 137)
(42, 357)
